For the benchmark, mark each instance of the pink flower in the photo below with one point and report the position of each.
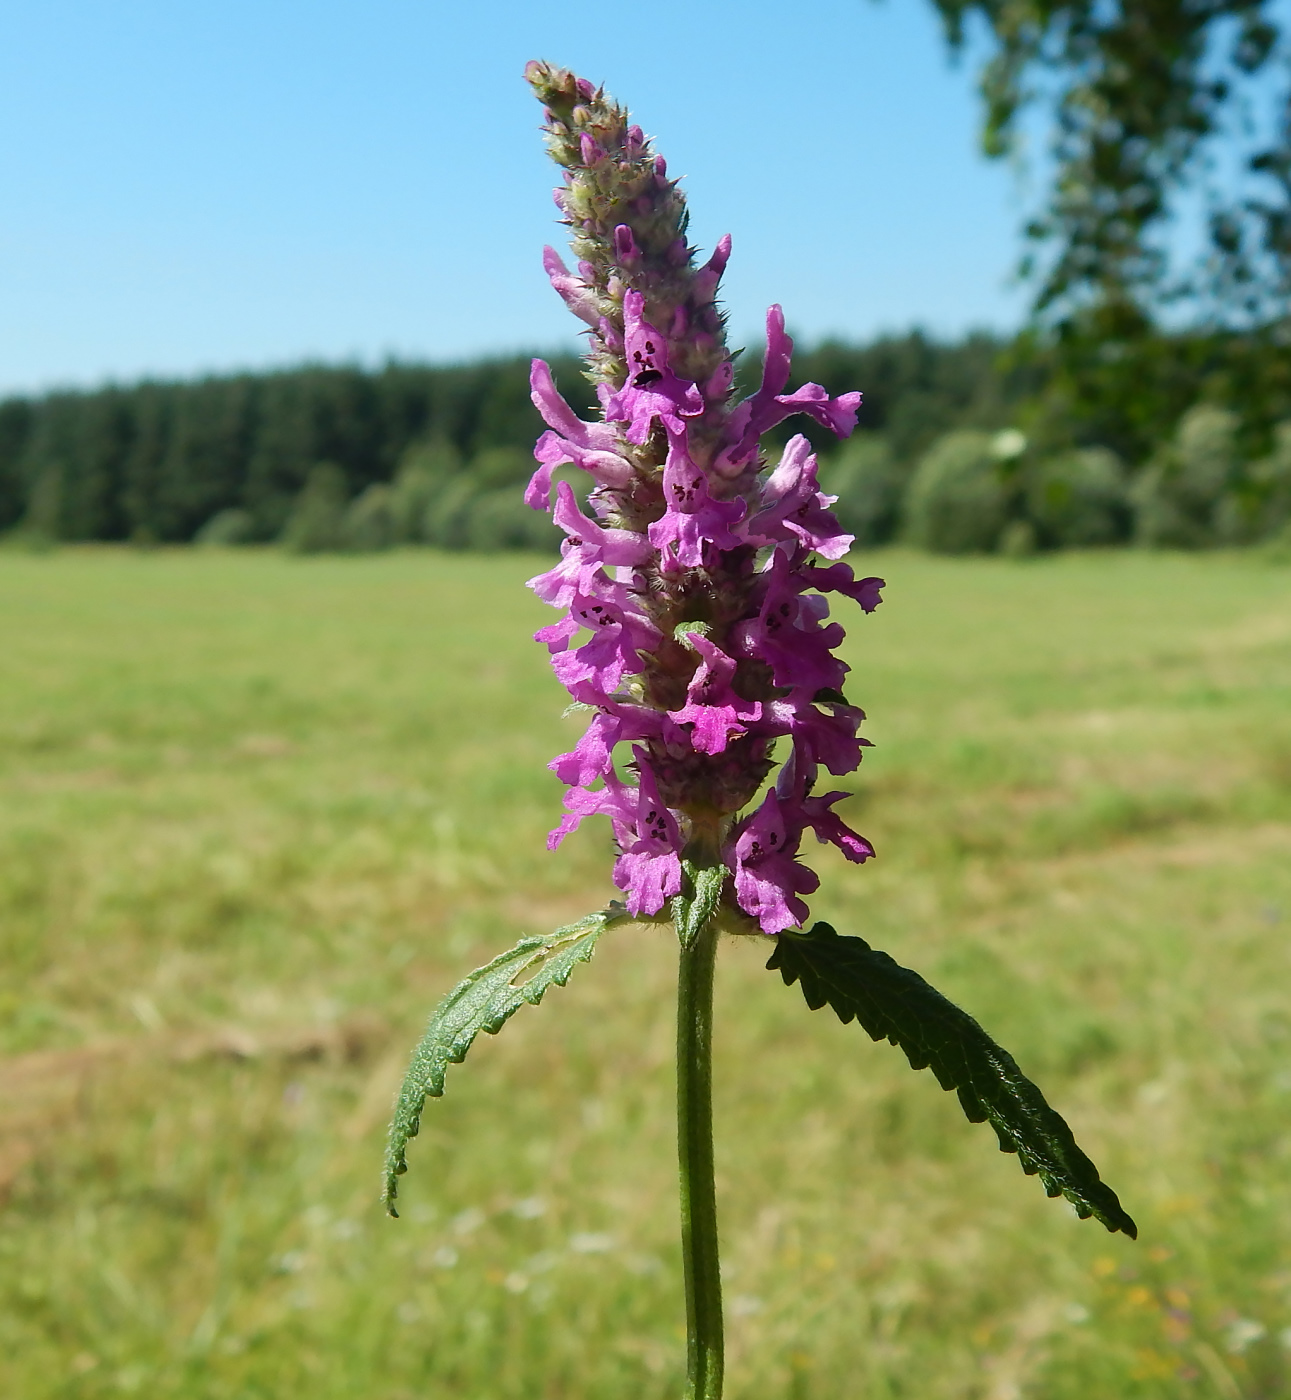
(713, 712)
(592, 757)
(587, 550)
(787, 633)
(768, 878)
(652, 390)
(573, 291)
(770, 406)
(649, 869)
(793, 506)
(693, 523)
(613, 650)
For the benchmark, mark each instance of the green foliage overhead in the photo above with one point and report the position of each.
(483, 1002)
(889, 1001)
(1138, 93)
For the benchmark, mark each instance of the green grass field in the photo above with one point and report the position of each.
(260, 813)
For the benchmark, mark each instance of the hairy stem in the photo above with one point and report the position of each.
(695, 1155)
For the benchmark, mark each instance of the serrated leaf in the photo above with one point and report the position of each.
(693, 910)
(483, 1002)
(891, 1002)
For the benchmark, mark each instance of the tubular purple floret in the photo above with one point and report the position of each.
(695, 624)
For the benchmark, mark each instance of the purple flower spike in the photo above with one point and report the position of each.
(695, 624)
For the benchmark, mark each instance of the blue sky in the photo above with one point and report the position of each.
(207, 186)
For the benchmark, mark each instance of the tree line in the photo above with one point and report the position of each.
(980, 443)
(159, 461)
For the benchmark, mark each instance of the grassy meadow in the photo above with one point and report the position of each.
(259, 813)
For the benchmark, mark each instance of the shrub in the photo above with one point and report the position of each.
(424, 473)
(1178, 498)
(501, 520)
(226, 528)
(444, 523)
(368, 525)
(957, 502)
(1258, 507)
(1078, 499)
(316, 522)
(866, 479)
(497, 467)
(483, 507)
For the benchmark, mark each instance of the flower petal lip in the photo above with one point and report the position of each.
(714, 713)
(651, 391)
(573, 291)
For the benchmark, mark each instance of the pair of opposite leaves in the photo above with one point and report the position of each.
(859, 982)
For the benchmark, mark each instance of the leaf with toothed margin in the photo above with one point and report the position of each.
(694, 908)
(889, 1000)
(484, 1001)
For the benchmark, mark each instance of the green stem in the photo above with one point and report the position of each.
(695, 1155)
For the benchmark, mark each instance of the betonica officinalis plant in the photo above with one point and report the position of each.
(694, 590)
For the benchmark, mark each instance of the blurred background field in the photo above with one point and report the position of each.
(261, 811)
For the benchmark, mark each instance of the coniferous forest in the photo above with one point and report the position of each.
(972, 446)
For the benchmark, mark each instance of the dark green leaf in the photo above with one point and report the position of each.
(484, 1001)
(888, 1000)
